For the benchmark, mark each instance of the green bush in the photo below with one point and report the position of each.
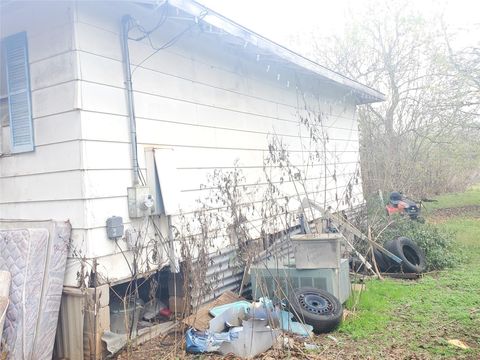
(435, 241)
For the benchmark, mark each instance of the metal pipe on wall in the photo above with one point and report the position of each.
(129, 96)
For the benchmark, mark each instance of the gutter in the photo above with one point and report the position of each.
(366, 93)
(129, 96)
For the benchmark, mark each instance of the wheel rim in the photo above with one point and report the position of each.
(316, 304)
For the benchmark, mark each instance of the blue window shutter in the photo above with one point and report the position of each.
(18, 87)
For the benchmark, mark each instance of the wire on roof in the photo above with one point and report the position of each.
(168, 43)
(146, 33)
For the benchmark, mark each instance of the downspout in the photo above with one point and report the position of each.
(129, 97)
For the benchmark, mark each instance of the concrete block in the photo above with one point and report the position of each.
(102, 297)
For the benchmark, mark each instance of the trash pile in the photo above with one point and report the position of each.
(247, 329)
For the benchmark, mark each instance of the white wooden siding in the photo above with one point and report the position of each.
(200, 97)
(48, 182)
(208, 104)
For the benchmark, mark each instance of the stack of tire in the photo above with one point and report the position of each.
(413, 258)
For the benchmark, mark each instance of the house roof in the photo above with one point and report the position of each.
(245, 37)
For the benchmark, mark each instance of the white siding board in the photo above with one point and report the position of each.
(229, 119)
(46, 101)
(41, 187)
(97, 41)
(106, 155)
(57, 128)
(104, 16)
(209, 103)
(53, 70)
(155, 107)
(98, 210)
(105, 183)
(194, 179)
(101, 70)
(101, 98)
(95, 248)
(208, 76)
(186, 66)
(78, 245)
(105, 265)
(59, 210)
(154, 132)
(105, 127)
(50, 42)
(188, 157)
(48, 26)
(49, 158)
(189, 200)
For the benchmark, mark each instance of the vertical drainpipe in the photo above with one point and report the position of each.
(133, 126)
(129, 95)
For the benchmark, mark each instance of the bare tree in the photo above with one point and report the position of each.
(466, 61)
(411, 141)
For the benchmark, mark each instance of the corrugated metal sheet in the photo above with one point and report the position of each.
(225, 272)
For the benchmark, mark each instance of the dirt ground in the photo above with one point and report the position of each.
(441, 215)
(328, 347)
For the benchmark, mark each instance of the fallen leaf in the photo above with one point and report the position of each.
(332, 338)
(458, 343)
(311, 346)
(346, 314)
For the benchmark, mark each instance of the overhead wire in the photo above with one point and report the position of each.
(168, 43)
(146, 33)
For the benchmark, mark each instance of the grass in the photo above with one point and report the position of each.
(408, 318)
(453, 200)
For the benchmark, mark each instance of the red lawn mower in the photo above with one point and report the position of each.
(400, 204)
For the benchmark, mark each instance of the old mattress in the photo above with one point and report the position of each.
(36, 259)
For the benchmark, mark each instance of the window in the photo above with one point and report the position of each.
(15, 96)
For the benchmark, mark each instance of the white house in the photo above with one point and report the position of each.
(206, 95)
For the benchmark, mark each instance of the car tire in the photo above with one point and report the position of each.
(317, 308)
(413, 258)
(383, 263)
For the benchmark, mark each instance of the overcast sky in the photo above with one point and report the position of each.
(282, 20)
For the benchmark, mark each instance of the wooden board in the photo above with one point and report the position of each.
(201, 319)
(408, 276)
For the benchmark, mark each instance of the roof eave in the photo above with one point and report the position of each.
(363, 93)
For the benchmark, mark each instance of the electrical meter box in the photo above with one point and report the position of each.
(140, 202)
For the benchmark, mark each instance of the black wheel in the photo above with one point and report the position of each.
(413, 258)
(316, 307)
(383, 262)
